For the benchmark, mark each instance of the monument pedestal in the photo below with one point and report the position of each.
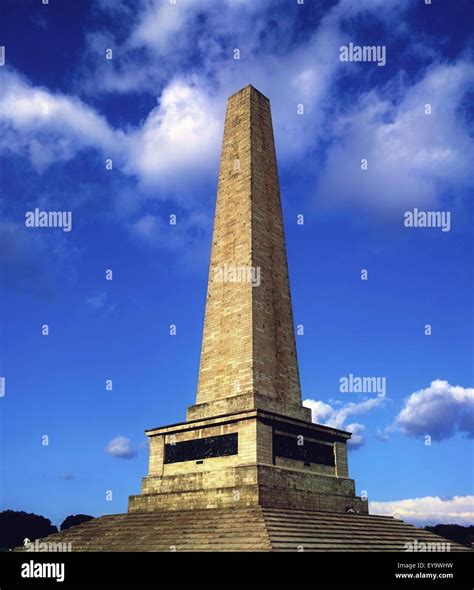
(247, 459)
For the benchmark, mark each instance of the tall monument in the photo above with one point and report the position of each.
(247, 470)
(248, 441)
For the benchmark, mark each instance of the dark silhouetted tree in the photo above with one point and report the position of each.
(464, 535)
(16, 526)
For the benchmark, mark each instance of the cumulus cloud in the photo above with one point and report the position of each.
(429, 510)
(49, 127)
(412, 157)
(121, 447)
(357, 430)
(159, 23)
(163, 27)
(161, 36)
(121, 74)
(322, 413)
(440, 411)
(179, 136)
(170, 35)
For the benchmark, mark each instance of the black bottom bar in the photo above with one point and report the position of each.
(295, 570)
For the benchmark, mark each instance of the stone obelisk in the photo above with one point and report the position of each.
(248, 357)
(248, 440)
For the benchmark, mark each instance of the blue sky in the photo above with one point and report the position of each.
(156, 110)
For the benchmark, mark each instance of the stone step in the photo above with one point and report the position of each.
(246, 529)
(334, 524)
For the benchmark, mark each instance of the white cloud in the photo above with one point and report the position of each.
(440, 411)
(170, 35)
(322, 413)
(48, 126)
(179, 136)
(357, 438)
(26, 106)
(121, 447)
(429, 510)
(164, 27)
(160, 22)
(413, 158)
(164, 36)
(121, 74)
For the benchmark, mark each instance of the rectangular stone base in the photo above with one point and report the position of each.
(248, 486)
(247, 459)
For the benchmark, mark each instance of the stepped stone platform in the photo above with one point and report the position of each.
(245, 529)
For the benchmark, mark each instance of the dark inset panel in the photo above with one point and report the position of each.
(309, 452)
(202, 448)
(299, 429)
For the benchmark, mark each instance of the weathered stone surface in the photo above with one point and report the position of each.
(254, 529)
(248, 356)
